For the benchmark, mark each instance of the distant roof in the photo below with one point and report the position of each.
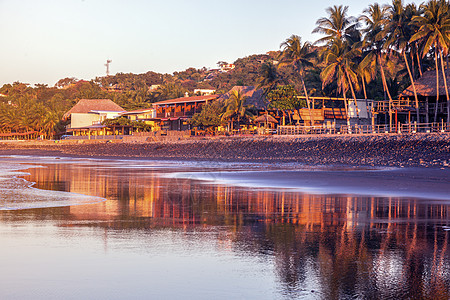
(187, 99)
(254, 96)
(426, 85)
(87, 105)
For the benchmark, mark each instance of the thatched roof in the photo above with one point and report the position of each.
(265, 119)
(253, 96)
(88, 105)
(426, 85)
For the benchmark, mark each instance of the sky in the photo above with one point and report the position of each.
(46, 40)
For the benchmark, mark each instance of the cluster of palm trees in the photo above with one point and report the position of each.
(354, 51)
(28, 117)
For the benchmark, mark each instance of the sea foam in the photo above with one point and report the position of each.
(17, 193)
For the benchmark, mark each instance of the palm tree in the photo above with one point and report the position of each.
(299, 55)
(435, 30)
(340, 66)
(399, 33)
(366, 73)
(375, 18)
(337, 26)
(235, 107)
(269, 78)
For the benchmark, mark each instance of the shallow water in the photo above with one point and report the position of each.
(163, 235)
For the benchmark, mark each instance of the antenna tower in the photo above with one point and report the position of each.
(107, 66)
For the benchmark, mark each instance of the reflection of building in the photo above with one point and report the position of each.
(372, 247)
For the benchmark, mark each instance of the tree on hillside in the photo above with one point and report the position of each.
(340, 52)
(235, 107)
(375, 19)
(299, 56)
(399, 32)
(209, 115)
(285, 97)
(269, 77)
(340, 67)
(338, 26)
(434, 30)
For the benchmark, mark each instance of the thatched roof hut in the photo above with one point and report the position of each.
(265, 119)
(88, 105)
(426, 85)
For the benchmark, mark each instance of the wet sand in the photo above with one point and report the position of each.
(419, 150)
(424, 183)
(381, 165)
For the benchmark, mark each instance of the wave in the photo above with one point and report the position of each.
(17, 193)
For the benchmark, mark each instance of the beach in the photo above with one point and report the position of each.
(245, 217)
(417, 150)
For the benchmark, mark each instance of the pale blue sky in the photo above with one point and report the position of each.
(43, 41)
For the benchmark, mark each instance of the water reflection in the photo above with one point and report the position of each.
(322, 246)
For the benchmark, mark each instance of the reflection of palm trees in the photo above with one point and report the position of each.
(346, 245)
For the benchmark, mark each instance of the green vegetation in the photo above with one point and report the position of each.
(235, 108)
(139, 126)
(210, 115)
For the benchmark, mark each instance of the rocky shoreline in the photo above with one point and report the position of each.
(415, 150)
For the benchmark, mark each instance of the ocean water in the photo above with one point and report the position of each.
(103, 229)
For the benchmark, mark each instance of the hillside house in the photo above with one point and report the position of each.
(87, 115)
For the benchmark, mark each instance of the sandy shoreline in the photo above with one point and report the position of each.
(431, 184)
(395, 166)
(419, 150)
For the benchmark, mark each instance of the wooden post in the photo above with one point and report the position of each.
(427, 119)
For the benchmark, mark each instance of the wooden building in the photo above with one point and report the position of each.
(433, 102)
(174, 114)
(87, 115)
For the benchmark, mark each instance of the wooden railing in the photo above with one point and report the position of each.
(365, 129)
(300, 129)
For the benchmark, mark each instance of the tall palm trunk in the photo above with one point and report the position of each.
(386, 89)
(446, 88)
(364, 87)
(437, 83)
(413, 85)
(419, 65)
(307, 99)
(346, 107)
(353, 94)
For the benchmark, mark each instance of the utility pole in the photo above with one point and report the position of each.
(107, 66)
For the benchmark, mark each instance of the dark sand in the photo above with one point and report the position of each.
(425, 183)
(419, 150)
(395, 165)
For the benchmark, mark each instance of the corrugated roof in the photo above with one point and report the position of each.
(87, 105)
(426, 85)
(187, 100)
